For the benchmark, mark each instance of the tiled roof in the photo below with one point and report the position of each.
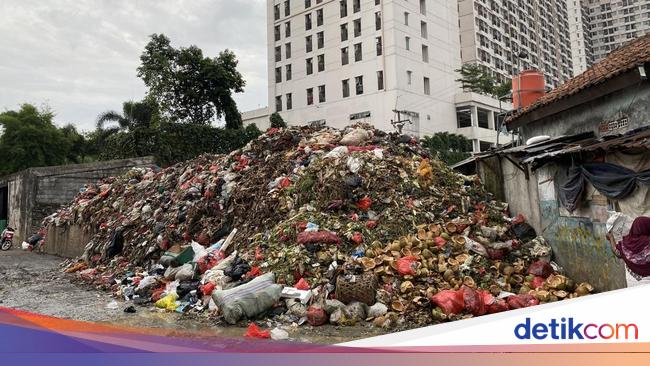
(623, 59)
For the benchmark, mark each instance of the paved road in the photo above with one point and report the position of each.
(35, 283)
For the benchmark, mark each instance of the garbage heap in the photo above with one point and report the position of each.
(313, 225)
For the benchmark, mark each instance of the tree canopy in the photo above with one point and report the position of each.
(30, 139)
(277, 121)
(449, 147)
(475, 78)
(189, 87)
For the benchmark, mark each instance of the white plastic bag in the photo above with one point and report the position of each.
(199, 251)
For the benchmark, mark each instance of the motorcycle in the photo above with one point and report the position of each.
(6, 238)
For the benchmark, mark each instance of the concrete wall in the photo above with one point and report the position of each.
(633, 102)
(37, 192)
(67, 241)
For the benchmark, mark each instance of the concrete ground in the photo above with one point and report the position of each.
(35, 283)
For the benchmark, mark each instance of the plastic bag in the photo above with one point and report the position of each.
(254, 331)
(522, 301)
(540, 268)
(473, 301)
(26, 246)
(314, 237)
(405, 265)
(168, 302)
(185, 273)
(303, 285)
(537, 282)
(199, 251)
(248, 300)
(451, 302)
(316, 316)
(524, 232)
(207, 289)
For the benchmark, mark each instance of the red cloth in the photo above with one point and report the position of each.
(635, 247)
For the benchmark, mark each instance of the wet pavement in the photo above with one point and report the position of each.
(35, 283)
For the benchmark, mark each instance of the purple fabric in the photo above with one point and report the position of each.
(635, 247)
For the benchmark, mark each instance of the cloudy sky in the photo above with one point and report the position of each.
(79, 57)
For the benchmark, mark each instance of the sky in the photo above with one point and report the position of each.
(79, 57)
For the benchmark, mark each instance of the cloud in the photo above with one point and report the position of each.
(80, 56)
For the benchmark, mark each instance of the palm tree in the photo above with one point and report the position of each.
(134, 115)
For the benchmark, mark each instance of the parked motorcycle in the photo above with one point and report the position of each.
(7, 238)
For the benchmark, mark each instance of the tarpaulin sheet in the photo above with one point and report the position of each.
(612, 181)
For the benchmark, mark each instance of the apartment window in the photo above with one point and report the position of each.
(357, 27)
(321, 94)
(287, 29)
(319, 17)
(307, 21)
(310, 66)
(423, 7)
(464, 117)
(276, 31)
(406, 18)
(308, 44)
(278, 103)
(356, 6)
(278, 74)
(287, 50)
(407, 42)
(287, 70)
(358, 54)
(423, 30)
(344, 32)
(345, 57)
(320, 39)
(483, 117)
(310, 96)
(345, 86)
(427, 86)
(425, 53)
(287, 8)
(321, 63)
(358, 82)
(307, 3)
(378, 20)
(276, 12)
(344, 8)
(379, 46)
(289, 101)
(377, 2)
(278, 54)
(380, 80)
(409, 77)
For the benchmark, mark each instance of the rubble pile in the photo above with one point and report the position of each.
(317, 225)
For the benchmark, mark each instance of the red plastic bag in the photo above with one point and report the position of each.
(316, 316)
(451, 302)
(537, 282)
(254, 272)
(371, 224)
(303, 285)
(208, 288)
(522, 301)
(314, 237)
(357, 238)
(540, 268)
(405, 265)
(492, 304)
(440, 241)
(364, 204)
(258, 254)
(210, 260)
(473, 301)
(518, 220)
(255, 332)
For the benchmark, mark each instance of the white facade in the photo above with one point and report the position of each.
(580, 32)
(393, 79)
(615, 22)
(405, 70)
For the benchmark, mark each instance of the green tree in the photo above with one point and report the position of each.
(30, 139)
(448, 147)
(477, 79)
(78, 144)
(189, 87)
(134, 115)
(277, 121)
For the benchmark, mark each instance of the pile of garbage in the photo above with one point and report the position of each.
(313, 225)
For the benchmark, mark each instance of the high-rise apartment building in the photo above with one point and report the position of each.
(580, 32)
(495, 32)
(376, 61)
(615, 22)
